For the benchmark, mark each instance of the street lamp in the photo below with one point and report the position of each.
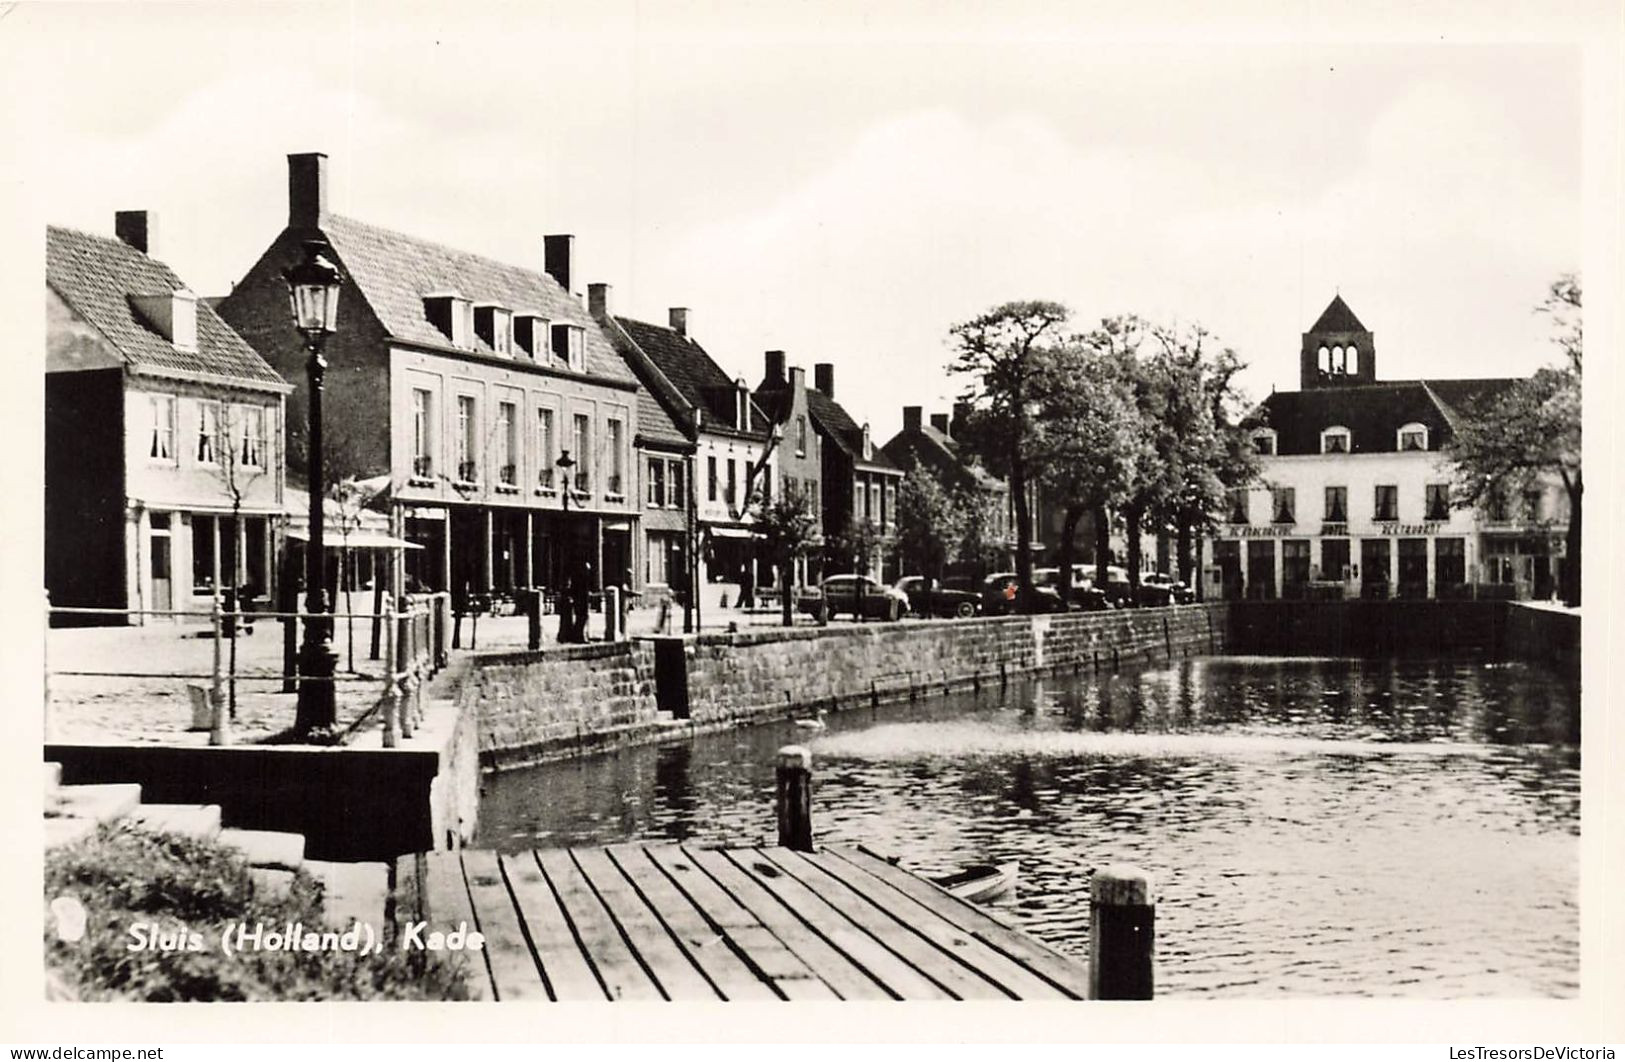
(313, 294)
(566, 577)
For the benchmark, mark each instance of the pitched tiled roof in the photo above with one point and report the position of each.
(1337, 317)
(690, 369)
(656, 426)
(97, 275)
(837, 424)
(928, 446)
(395, 271)
(1373, 413)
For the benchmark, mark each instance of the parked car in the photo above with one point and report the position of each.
(1084, 597)
(999, 596)
(941, 599)
(1176, 589)
(860, 596)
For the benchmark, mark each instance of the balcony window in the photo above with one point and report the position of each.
(1337, 505)
(545, 453)
(1284, 505)
(468, 469)
(508, 441)
(1386, 506)
(1438, 501)
(616, 485)
(583, 455)
(422, 434)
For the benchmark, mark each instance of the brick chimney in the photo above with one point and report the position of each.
(677, 316)
(598, 300)
(911, 418)
(961, 414)
(798, 378)
(939, 421)
(556, 254)
(824, 378)
(773, 367)
(137, 228)
(307, 190)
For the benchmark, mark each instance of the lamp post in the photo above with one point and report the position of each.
(566, 577)
(313, 293)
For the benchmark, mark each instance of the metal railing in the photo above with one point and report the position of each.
(417, 644)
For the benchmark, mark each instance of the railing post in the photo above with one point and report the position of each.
(612, 613)
(533, 618)
(401, 661)
(218, 731)
(794, 797)
(392, 700)
(1122, 933)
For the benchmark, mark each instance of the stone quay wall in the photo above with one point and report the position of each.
(1542, 635)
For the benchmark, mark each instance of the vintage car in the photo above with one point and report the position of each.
(946, 598)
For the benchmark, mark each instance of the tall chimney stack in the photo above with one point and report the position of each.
(598, 300)
(678, 317)
(556, 254)
(911, 418)
(939, 421)
(137, 228)
(773, 367)
(824, 378)
(307, 190)
(961, 414)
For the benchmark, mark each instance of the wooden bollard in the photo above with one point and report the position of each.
(794, 797)
(1122, 933)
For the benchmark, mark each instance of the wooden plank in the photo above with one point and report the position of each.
(790, 977)
(445, 904)
(671, 966)
(1012, 977)
(514, 970)
(1069, 975)
(899, 978)
(618, 968)
(959, 980)
(705, 946)
(568, 975)
(847, 978)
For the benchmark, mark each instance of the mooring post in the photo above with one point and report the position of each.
(612, 613)
(533, 618)
(392, 698)
(794, 797)
(1122, 933)
(218, 731)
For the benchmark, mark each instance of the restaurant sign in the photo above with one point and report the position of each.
(1431, 528)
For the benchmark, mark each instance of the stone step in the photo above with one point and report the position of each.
(99, 803)
(201, 821)
(352, 892)
(59, 832)
(267, 848)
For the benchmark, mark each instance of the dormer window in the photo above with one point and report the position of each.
(494, 326)
(1413, 437)
(1264, 442)
(453, 315)
(1335, 441)
(172, 315)
(570, 345)
(530, 335)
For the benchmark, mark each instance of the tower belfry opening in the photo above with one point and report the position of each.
(1338, 350)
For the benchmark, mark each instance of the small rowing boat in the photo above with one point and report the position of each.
(983, 883)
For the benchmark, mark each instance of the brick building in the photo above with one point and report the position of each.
(464, 380)
(788, 403)
(163, 457)
(1354, 497)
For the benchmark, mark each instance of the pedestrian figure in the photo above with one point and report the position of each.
(747, 589)
(580, 600)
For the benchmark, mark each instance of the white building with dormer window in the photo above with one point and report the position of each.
(1354, 500)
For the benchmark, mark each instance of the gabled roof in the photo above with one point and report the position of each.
(696, 377)
(1373, 413)
(1337, 317)
(97, 275)
(656, 426)
(395, 271)
(835, 423)
(930, 447)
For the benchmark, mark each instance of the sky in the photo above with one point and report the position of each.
(845, 182)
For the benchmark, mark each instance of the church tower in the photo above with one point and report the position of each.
(1338, 351)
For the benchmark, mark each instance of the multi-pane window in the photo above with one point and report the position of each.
(657, 482)
(468, 468)
(711, 478)
(617, 467)
(251, 436)
(1264, 443)
(1238, 505)
(208, 432)
(678, 477)
(1337, 505)
(1334, 441)
(1532, 508)
(1438, 501)
(583, 438)
(162, 447)
(544, 449)
(508, 442)
(1284, 505)
(1386, 505)
(422, 433)
(1495, 507)
(733, 482)
(1413, 437)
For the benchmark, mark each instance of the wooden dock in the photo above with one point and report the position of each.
(681, 922)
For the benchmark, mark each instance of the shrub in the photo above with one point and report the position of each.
(124, 875)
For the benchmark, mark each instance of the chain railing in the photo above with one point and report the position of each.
(417, 640)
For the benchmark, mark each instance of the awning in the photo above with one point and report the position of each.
(355, 540)
(720, 531)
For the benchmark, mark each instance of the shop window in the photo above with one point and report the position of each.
(1374, 554)
(1294, 562)
(1337, 505)
(1387, 503)
(1438, 501)
(1334, 559)
(1449, 561)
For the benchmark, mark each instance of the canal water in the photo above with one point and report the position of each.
(1318, 827)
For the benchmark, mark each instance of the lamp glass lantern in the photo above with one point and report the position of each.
(313, 292)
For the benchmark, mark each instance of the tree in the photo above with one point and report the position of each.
(789, 530)
(1001, 353)
(860, 542)
(1531, 431)
(931, 522)
(241, 458)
